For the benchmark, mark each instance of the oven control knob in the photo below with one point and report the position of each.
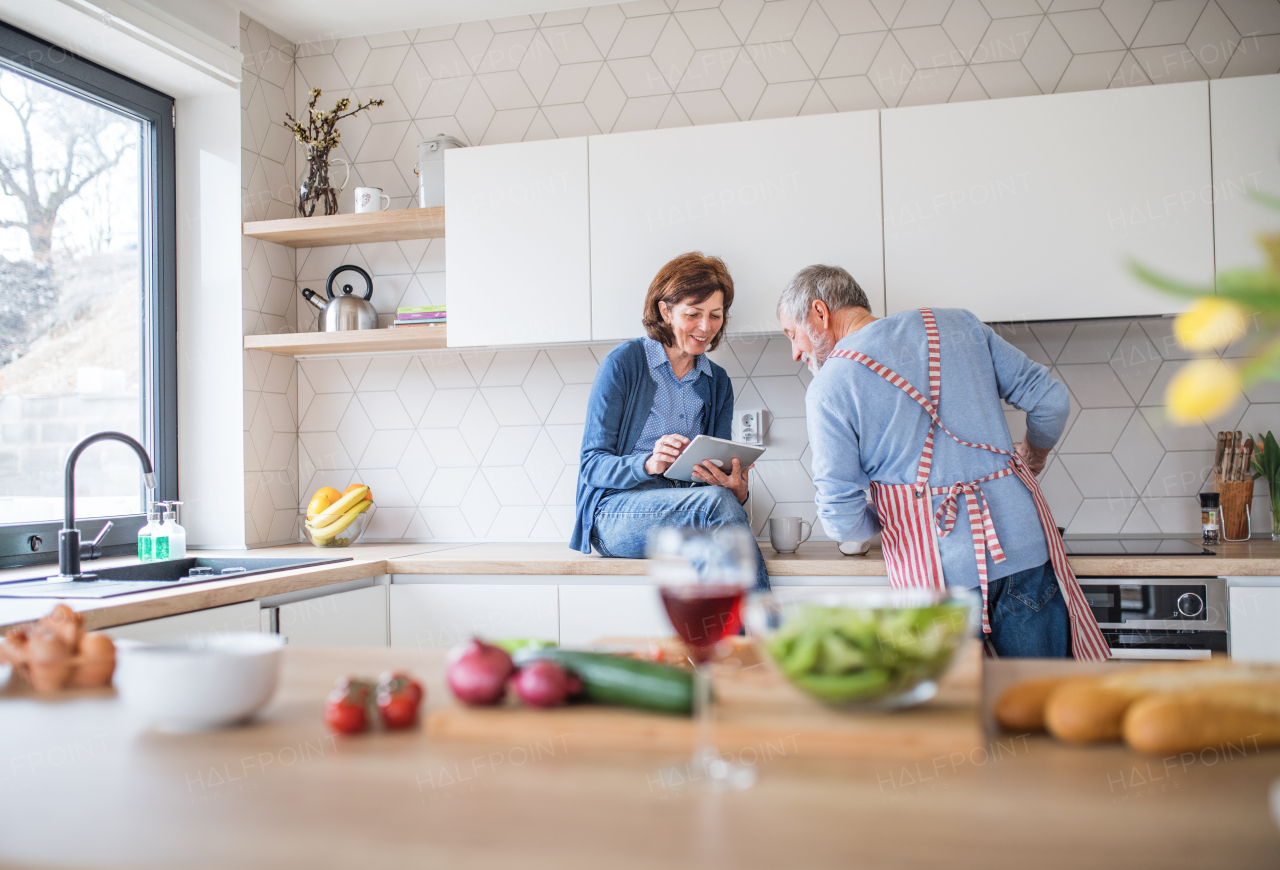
(1190, 604)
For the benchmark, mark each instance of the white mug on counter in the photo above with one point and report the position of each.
(370, 199)
(784, 533)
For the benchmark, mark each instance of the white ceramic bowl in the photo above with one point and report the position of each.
(199, 684)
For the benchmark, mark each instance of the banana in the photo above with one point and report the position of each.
(327, 533)
(339, 507)
(358, 508)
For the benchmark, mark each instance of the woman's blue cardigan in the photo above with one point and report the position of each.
(620, 403)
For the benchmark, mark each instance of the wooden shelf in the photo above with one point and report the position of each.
(402, 338)
(350, 229)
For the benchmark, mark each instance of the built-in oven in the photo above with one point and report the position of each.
(1160, 617)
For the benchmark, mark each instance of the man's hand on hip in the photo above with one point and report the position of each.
(1034, 457)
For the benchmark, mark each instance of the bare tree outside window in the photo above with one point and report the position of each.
(70, 299)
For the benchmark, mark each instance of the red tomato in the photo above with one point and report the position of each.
(355, 687)
(397, 682)
(344, 716)
(397, 710)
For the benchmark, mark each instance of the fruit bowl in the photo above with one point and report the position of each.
(344, 538)
(864, 649)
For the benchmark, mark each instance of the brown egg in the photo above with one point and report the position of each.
(66, 623)
(51, 662)
(47, 646)
(14, 649)
(96, 663)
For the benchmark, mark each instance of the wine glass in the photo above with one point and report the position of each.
(703, 577)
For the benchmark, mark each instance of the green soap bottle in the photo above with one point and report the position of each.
(146, 537)
(160, 538)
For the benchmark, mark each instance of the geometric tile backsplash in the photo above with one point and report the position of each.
(269, 296)
(483, 446)
(1120, 467)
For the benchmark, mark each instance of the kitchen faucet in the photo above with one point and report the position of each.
(70, 549)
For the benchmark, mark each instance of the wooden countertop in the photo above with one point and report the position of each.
(817, 559)
(368, 560)
(83, 785)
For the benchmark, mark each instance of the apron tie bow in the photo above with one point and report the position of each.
(984, 530)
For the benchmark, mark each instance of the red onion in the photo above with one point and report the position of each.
(478, 672)
(545, 684)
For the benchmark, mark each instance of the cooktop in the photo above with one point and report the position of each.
(1133, 547)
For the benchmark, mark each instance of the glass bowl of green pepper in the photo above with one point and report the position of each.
(866, 648)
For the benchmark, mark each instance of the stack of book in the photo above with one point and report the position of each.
(431, 315)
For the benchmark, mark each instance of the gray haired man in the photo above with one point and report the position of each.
(908, 436)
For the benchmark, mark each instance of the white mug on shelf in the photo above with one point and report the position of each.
(784, 533)
(370, 199)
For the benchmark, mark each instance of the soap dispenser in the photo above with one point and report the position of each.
(177, 534)
(146, 536)
(160, 549)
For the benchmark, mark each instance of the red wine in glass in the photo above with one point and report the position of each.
(703, 614)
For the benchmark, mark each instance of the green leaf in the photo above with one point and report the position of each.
(1265, 199)
(1253, 288)
(1266, 458)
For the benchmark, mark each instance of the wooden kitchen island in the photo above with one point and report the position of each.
(82, 784)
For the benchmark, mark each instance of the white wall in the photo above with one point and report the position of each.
(210, 380)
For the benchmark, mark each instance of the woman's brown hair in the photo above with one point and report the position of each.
(691, 278)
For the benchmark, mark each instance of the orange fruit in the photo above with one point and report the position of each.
(368, 496)
(328, 492)
(319, 504)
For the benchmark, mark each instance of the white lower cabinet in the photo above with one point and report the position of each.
(1255, 623)
(588, 613)
(355, 618)
(439, 615)
(233, 617)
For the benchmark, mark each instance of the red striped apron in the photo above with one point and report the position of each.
(911, 528)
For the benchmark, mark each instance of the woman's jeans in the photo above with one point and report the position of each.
(625, 517)
(1029, 615)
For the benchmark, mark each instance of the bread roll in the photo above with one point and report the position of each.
(1021, 707)
(1092, 710)
(1244, 715)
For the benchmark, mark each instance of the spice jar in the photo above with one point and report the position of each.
(1210, 518)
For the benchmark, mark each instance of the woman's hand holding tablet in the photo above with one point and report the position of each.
(716, 461)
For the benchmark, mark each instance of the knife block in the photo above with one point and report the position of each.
(1235, 500)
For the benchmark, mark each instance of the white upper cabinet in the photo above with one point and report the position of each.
(767, 197)
(1246, 158)
(518, 243)
(1031, 208)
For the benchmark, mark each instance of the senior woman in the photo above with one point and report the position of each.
(650, 398)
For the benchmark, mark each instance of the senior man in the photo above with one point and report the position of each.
(909, 439)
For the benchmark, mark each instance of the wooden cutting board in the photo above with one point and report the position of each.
(758, 711)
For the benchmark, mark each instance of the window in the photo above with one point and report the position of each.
(87, 295)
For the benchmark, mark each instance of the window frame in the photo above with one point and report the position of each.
(52, 65)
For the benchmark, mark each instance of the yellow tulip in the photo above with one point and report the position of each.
(1211, 323)
(1203, 388)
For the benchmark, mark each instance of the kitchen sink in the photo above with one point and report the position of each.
(149, 576)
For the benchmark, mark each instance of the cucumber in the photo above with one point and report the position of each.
(624, 682)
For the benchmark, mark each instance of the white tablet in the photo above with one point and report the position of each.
(716, 450)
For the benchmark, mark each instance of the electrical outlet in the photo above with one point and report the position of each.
(748, 427)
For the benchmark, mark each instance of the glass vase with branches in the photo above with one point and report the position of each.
(320, 135)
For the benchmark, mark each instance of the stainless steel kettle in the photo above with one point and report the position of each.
(346, 310)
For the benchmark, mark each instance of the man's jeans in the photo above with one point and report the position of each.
(625, 517)
(1029, 615)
